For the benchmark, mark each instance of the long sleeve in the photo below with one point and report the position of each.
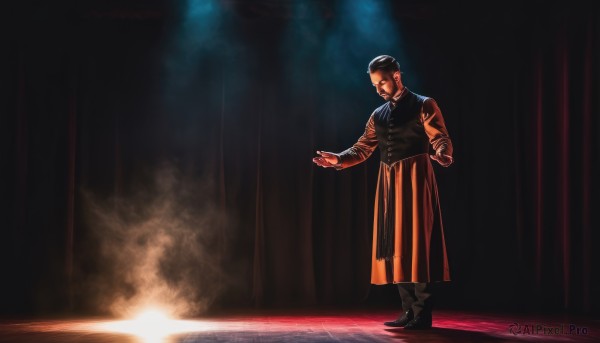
(434, 125)
(362, 149)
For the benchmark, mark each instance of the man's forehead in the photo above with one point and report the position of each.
(378, 76)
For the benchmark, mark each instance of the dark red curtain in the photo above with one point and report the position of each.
(91, 109)
(557, 157)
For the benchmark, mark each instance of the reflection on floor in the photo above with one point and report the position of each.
(308, 326)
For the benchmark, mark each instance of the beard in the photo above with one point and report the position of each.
(388, 96)
(385, 96)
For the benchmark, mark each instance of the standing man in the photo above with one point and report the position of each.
(408, 237)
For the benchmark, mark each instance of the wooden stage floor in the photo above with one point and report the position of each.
(307, 326)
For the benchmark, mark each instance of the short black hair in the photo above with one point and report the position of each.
(385, 63)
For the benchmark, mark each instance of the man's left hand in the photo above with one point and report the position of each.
(443, 159)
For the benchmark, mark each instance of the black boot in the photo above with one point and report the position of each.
(404, 319)
(419, 322)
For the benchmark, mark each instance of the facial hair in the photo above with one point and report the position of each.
(387, 96)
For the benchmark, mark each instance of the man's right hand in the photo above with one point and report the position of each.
(326, 159)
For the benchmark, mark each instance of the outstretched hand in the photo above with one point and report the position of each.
(443, 159)
(326, 159)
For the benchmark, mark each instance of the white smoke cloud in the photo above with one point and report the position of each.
(159, 246)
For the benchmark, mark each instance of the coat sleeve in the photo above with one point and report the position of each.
(362, 149)
(434, 125)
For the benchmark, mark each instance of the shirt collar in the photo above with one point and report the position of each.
(397, 98)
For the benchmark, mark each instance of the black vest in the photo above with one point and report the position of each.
(400, 132)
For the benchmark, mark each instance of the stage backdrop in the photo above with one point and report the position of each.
(159, 151)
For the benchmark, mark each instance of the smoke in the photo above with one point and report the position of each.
(160, 246)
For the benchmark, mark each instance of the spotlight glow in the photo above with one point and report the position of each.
(152, 326)
(152, 317)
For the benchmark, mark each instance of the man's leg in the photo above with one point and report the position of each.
(407, 294)
(424, 295)
(422, 307)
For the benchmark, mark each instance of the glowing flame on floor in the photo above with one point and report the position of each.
(152, 326)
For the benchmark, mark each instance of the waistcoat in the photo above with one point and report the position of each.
(399, 129)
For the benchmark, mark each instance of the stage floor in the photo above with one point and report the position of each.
(308, 326)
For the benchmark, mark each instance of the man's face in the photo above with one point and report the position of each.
(385, 83)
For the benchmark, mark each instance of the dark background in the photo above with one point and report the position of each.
(232, 98)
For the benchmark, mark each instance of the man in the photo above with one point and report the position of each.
(408, 239)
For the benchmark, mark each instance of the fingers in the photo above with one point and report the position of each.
(325, 153)
(322, 162)
(443, 160)
(326, 159)
(447, 160)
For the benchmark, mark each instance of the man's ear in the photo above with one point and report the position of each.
(396, 76)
